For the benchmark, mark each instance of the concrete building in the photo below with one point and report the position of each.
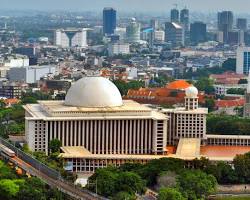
(133, 31)
(10, 91)
(174, 34)
(71, 38)
(188, 121)
(97, 120)
(243, 60)
(225, 23)
(118, 48)
(159, 36)
(30, 74)
(184, 20)
(198, 32)
(174, 15)
(15, 61)
(97, 128)
(247, 100)
(241, 24)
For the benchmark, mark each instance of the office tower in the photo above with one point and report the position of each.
(154, 23)
(225, 23)
(133, 31)
(174, 34)
(198, 32)
(174, 15)
(236, 37)
(71, 38)
(109, 21)
(184, 19)
(243, 60)
(241, 24)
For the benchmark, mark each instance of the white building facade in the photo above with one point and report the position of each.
(243, 60)
(71, 38)
(118, 48)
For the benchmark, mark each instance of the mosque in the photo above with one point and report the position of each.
(97, 128)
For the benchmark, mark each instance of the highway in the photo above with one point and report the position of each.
(60, 184)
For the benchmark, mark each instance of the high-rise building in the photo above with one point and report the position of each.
(241, 24)
(198, 32)
(71, 38)
(109, 21)
(236, 37)
(174, 34)
(225, 23)
(174, 15)
(243, 60)
(133, 31)
(154, 23)
(184, 19)
(247, 98)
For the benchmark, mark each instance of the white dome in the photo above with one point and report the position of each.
(191, 92)
(93, 92)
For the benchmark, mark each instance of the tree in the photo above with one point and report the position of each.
(224, 173)
(210, 104)
(29, 100)
(170, 194)
(8, 188)
(242, 167)
(105, 181)
(130, 182)
(195, 184)
(32, 188)
(124, 196)
(205, 84)
(5, 172)
(55, 145)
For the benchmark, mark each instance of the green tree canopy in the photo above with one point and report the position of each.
(196, 184)
(55, 145)
(170, 194)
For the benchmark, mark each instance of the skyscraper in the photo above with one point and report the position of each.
(242, 24)
(198, 31)
(133, 31)
(184, 19)
(225, 23)
(243, 60)
(109, 21)
(247, 99)
(174, 33)
(174, 15)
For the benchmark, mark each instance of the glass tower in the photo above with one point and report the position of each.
(109, 21)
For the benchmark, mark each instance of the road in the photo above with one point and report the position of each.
(60, 184)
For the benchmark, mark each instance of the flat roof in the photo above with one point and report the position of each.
(188, 152)
(50, 110)
(223, 151)
(188, 147)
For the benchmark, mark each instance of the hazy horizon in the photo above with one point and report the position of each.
(126, 5)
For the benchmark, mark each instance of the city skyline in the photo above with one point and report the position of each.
(121, 5)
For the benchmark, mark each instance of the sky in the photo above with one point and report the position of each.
(238, 6)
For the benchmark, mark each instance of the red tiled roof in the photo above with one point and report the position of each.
(230, 103)
(178, 85)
